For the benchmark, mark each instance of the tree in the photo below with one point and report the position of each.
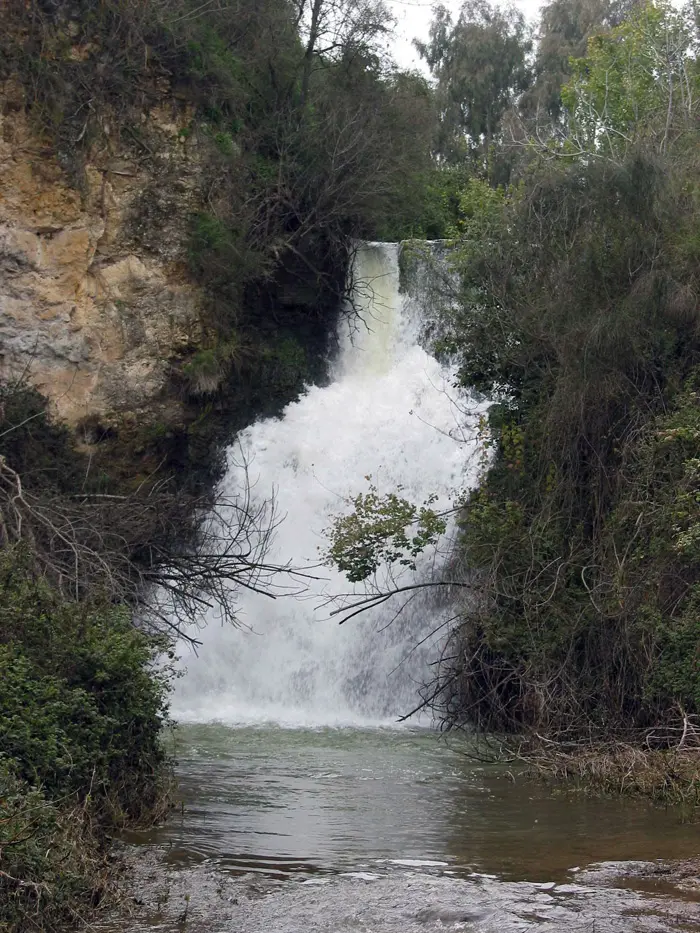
(339, 29)
(480, 65)
(638, 82)
(564, 30)
(382, 529)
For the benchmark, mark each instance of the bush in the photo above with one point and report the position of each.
(83, 706)
(82, 703)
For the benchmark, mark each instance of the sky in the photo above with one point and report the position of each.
(413, 21)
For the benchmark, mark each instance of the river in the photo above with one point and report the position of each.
(297, 802)
(379, 830)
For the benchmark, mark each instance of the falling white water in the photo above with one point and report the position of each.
(391, 412)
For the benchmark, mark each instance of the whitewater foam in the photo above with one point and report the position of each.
(391, 413)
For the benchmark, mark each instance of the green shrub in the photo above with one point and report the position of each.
(207, 369)
(578, 315)
(82, 708)
(82, 703)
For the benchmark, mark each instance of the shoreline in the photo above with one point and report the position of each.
(661, 896)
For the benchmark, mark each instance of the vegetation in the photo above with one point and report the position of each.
(99, 575)
(81, 748)
(81, 708)
(82, 699)
(382, 529)
(54, 870)
(578, 313)
(83, 705)
(480, 66)
(83, 690)
(565, 29)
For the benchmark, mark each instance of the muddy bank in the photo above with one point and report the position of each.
(404, 898)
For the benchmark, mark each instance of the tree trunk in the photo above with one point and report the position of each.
(314, 29)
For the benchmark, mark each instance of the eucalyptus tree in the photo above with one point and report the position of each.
(480, 65)
(564, 30)
(336, 29)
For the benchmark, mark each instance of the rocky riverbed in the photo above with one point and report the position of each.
(403, 897)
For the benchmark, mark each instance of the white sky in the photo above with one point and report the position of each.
(413, 21)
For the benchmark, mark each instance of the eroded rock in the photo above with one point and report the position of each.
(95, 302)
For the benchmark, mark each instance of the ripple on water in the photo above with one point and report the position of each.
(299, 801)
(398, 901)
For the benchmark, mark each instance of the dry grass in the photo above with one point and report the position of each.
(666, 776)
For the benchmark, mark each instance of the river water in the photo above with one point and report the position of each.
(293, 802)
(306, 809)
(396, 831)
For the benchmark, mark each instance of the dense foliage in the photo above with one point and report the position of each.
(82, 707)
(578, 313)
(580, 317)
(53, 870)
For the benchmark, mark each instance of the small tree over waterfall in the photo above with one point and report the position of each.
(382, 529)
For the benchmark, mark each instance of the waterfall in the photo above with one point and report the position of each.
(391, 413)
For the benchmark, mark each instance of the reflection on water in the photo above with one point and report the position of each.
(289, 801)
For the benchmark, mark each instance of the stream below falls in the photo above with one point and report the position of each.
(382, 830)
(296, 803)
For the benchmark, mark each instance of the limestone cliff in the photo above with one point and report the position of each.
(96, 304)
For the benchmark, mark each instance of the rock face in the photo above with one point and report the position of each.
(95, 302)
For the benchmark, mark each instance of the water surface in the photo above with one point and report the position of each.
(288, 802)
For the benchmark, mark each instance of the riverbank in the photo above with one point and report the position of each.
(608, 898)
(669, 778)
